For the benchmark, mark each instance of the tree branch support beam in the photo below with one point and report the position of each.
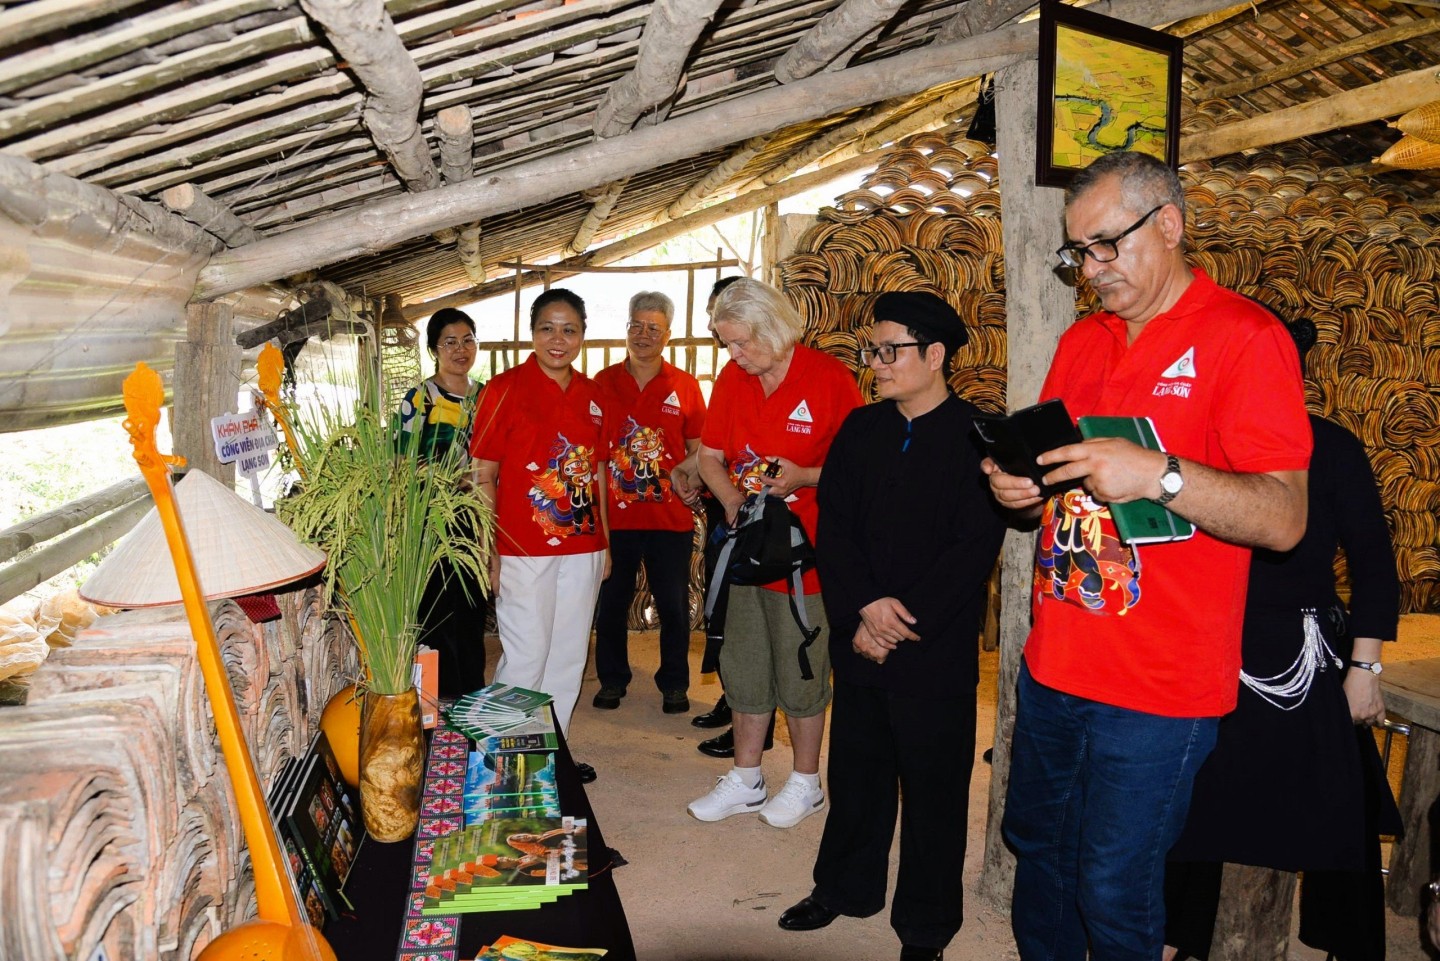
(364, 35)
(669, 36)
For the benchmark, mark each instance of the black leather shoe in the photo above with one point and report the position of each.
(608, 698)
(674, 702)
(910, 952)
(723, 745)
(806, 915)
(586, 772)
(717, 716)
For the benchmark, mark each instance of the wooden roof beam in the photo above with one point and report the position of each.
(455, 130)
(395, 220)
(603, 201)
(870, 128)
(90, 216)
(24, 21)
(717, 176)
(669, 36)
(74, 54)
(1387, 98)
(980, 16)
(186, 101)
(834, 35)
(363, 34)
(1325, 56)
(202, 210)
(655, 236)
(456, 133)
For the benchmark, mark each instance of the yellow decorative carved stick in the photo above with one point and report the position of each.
(269, 367)
(283, 931)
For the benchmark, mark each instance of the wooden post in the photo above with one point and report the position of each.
(207, 377)
(1410, 860)
(1253, 923)
(770, 246)
(1039, 308)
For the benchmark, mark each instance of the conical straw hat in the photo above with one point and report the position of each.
(237, 547)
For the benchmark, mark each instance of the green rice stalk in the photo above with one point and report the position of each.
(385, 518)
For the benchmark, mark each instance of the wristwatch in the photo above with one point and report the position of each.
(1171, 481)
(1374, 667)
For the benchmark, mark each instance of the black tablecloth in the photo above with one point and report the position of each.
(380, 881)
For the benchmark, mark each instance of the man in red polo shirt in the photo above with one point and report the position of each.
(1135, 650)
(655, 413)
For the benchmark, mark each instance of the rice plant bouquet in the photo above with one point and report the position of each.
(386, 517)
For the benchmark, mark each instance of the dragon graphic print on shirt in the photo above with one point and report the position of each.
(1080, 560)
(563, 496)
(636, 473)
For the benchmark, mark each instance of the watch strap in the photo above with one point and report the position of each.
(1373, 667)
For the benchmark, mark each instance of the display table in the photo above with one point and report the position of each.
(1412, 690)
(380, 889)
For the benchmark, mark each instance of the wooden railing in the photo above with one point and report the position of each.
(113, 511)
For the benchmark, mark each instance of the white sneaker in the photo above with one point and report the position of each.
(795, 802)
(729, 796)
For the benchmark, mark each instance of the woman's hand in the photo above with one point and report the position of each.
(1362, 693)
(605, 572)
(494, 574)
(790, 478)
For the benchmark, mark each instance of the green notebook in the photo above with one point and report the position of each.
(1142, 521)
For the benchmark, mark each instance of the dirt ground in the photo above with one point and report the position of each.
(713, 892)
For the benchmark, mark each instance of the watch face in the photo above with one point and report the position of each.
(1171, 483)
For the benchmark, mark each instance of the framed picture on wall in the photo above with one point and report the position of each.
(1105, 85)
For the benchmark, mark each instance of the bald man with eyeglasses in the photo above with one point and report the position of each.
(1134, 652)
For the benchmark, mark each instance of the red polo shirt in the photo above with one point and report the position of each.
(549, 444)
(647, 431)
(798, 421)
(1157, 628)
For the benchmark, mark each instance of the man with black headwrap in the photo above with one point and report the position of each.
(907, 536)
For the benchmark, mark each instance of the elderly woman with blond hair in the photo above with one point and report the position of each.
(774, 410)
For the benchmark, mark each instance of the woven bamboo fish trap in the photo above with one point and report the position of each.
(1281, 227)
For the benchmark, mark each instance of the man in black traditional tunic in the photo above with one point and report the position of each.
(907, 536)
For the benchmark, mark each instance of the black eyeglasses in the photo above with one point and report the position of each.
(886, 352)
(1101, 251)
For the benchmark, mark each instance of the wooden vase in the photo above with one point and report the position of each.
(392, 763)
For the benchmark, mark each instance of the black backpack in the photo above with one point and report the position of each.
(766, 544)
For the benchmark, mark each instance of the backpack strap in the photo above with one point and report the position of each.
(796, 585)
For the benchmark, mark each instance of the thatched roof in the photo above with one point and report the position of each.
(261, 105)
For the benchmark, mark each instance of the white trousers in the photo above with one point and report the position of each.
(543, 614)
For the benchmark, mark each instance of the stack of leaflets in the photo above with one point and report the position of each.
(510, 785)
(506, 864)
(496, 709)
(523, 949)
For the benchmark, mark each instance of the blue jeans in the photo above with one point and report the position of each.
(1098, 794)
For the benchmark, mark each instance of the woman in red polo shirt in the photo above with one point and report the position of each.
(538, 446)
(777, 404)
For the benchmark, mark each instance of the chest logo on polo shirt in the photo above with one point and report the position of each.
(671, 404)
(596, 414)
(562, 499)
(636, 465)
(800, 421)
(1177, 379)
